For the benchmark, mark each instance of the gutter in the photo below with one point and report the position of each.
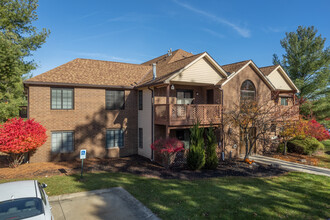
(152, 121)
(27, 83)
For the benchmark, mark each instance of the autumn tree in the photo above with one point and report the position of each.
(18, 137)
(251, 121)
(290, 129)
(18, 40)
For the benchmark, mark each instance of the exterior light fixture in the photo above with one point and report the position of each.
(172, 87)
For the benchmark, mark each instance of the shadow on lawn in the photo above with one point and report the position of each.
(294, 196)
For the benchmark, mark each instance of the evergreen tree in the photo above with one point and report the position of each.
(196, 154)
(211, 159)
(18, 39)
(307, 62)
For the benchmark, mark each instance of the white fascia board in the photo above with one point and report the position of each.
(256, 68)
(215, 64)
(195, 61)
(263, 76)
(235, 73)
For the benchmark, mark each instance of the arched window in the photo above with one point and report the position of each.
(248, 91)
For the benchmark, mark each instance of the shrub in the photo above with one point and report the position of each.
(302, 145)
(317, 130)
(196, 154)
(168, 149)
(211, 159)
(18, 137)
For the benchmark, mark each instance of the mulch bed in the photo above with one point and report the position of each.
(140, 166)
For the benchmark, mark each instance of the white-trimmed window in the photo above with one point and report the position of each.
(284, 101)
(62, 141)
(114, 138)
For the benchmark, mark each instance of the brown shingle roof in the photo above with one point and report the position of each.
(176, 55)
(234, 67)
(268, 69)
(94, 72)
(166, 69)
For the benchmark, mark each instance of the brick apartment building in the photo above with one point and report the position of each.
(117, 109)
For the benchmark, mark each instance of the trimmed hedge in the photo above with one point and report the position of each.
(302, 145)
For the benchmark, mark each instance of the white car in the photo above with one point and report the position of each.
(24, 200)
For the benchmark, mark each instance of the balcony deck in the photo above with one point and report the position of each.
(187, 115)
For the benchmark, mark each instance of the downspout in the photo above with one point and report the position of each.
(152, 121)
(222, 127)
(154, 75)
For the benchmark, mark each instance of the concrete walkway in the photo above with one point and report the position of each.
(115, 203)
(290, 166)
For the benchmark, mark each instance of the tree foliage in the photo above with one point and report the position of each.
(18, 137)
(252, 120)
(211, 159)
(18, 40)
(316, 130)
(306, 60)
(196, 154)
(167, 148)
(290, 129)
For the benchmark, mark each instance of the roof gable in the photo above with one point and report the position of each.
(200, 72)
(257, 70)
(279, 78)
(166, 70)
(268, 69)
(234, 67)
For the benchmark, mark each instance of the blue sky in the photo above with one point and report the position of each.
(136, 31)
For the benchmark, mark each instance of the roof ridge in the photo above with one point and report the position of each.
(109, 61)
(159, 57)
(175, 53)
(237, 62)
(187, 58)
(270, 66)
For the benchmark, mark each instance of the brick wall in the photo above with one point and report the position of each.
(89, 120)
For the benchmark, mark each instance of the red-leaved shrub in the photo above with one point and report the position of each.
(18, 136)
(168, 149)
(316, 130)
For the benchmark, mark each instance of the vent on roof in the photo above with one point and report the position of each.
(169, 52)
(154, 75)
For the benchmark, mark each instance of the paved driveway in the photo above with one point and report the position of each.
(114, 203)
(291, 166)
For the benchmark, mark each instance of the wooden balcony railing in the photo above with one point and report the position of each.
(180, 115)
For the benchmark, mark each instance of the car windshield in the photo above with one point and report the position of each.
(20, 208)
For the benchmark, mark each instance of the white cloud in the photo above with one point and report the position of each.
(216, 34)
(240, 30)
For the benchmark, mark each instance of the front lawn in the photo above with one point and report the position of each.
(324, 160)
(291, 196)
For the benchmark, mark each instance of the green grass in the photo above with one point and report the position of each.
(292, 196)
(325, 158)
(326, 144)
